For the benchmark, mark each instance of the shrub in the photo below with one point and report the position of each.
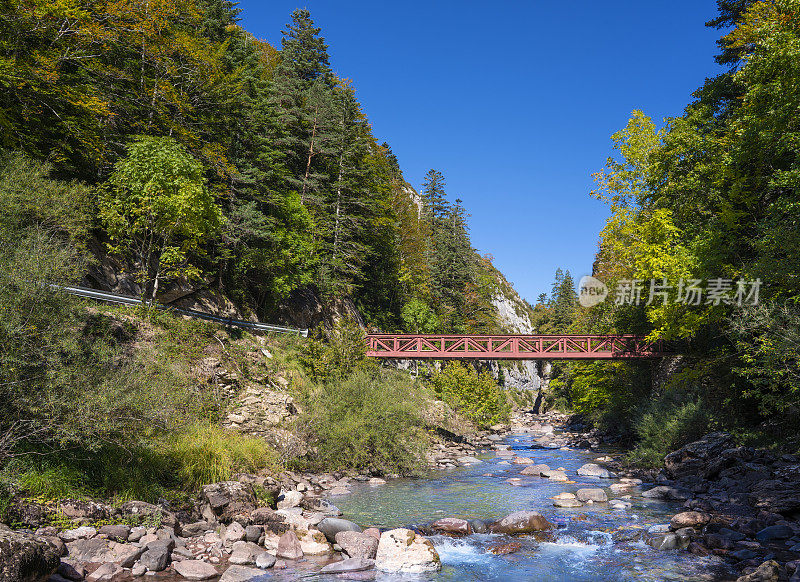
(370, 421)
(665, 427)
(475, 395)
(333, 356)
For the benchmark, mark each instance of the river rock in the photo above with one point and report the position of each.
(775, 532)
(378, 481)
(555, 475)
(374, 532)
(25, 557)
(234, 533)
(401, 550)
(197, 528)
(469, 461)
(243, 553)
(195, 569)
(769, 571)
(105, 573)
(667, 541)
(142, 509)
(534, 470)
(270, 519)
(244, 574)
(452, 525)
(71, 570)
(523, 461)
(666, 493)
(252, 533)
(330, 526)
(566, 502)
(155, 559)
(265, 560)
(594, 494)
(478, 526)
(348, 565)
(289, 546)
(357, 545)
(521, 522)
(593, 470)
(689, 519)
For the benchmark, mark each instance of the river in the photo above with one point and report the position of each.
(591, 543)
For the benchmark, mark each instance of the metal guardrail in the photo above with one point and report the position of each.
(127, 300)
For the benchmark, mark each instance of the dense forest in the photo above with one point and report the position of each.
(214, 158)
(704, 232)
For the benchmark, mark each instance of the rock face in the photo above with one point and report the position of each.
(26, 558)
(521, 522)
(401, 550)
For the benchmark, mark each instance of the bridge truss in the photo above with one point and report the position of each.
(514, 347)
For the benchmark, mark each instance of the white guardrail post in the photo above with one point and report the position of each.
(127, 300)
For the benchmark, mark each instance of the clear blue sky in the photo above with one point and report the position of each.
(514, 102)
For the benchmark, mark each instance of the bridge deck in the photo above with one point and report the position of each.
(513, 347)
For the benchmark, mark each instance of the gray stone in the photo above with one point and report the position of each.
(244, 574)
(534, 470)
(566, 502)
(265, 560)
(689, 519)
(665, 493)
(71, 570)
(594, 470)
(252, 533)
(289, 499)
(521, 522)
(775, 532)
(198, 528)
(478, 526)
(234, 533)
(330, 526)
(105, 573)
(348, 565)
(402, 550)
(195, 569)
(668, 541)
(594, 494)
(245, 553)
(136, 533)
(289, 546)
(155, 559)
(24, 556)
(357, 545)
(79, 533)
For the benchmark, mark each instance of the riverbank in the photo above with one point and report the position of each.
(575, 505)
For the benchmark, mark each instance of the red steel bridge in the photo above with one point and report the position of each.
(514, 347)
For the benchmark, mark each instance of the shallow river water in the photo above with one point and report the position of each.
(591, 543)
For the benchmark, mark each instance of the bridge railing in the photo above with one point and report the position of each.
(515, 347)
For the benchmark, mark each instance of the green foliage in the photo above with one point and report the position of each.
(206, 454)
(370, 421)
(157, 209)
(418, 317)
(334, 356)
(475, 395)
(665, 427)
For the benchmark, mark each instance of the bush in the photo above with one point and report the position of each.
(665, 427)
(370, 421)
(333, 356)
(475, 395)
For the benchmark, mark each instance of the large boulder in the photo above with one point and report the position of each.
(777, 495)
(534, 470)
(401, 550)
(666, 493)
(289, 546)
(452, 525)
(141, 509)
(243, 553)
(105, 573)
(696, 457)
(271, 520)
(521, 522)
(25, 557)
(357, 545)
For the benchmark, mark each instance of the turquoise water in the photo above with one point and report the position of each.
(591, 543)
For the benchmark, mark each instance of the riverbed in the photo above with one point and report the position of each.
(590, 543)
